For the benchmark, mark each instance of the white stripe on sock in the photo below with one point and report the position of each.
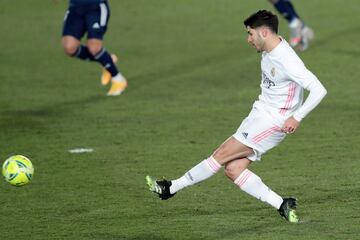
(200, 172)
(250, 183)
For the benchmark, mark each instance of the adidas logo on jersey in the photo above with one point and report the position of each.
(245, 134)
(96, 26)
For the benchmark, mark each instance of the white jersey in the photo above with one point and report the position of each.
(284, 77)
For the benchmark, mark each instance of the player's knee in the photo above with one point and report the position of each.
(70, 45)
(233, 169)
(94, 49)
(70, 48)
(230, 171)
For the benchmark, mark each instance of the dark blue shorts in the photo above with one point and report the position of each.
(91, 19)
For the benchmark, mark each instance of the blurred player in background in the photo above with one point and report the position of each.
(91, 17)
(300, 34)
(277, 112)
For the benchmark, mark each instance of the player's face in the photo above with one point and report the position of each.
(255, 39)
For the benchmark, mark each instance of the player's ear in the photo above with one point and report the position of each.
(264, 32)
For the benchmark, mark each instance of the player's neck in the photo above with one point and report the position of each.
(272, 43)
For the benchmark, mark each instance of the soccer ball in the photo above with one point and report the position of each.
(18, 170)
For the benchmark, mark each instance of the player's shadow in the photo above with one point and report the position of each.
(148, 237)
(142, 236)
(35, 119)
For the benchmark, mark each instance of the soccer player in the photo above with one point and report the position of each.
(91, 17)
(278, 111)
(300, 34)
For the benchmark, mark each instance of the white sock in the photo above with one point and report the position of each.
(295, 23)
(118, 78)
(250, 183)
(200, 172)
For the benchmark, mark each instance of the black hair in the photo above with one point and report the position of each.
(263, 18)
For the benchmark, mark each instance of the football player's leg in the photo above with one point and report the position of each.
(96, 23)
(202, 171)
(300, 34)
(229, 150)
(106, 75)
(73, 30)
(102, 56)
(286, 9)
(70, 45)
(73, 48)
(110, 71)
(250, 183)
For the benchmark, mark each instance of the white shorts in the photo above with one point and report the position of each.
(261, 131)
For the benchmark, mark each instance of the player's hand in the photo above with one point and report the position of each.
(290, 125)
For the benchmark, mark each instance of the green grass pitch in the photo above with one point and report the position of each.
(192, 79)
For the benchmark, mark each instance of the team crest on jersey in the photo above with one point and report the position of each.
(273, 72)
(266, 81)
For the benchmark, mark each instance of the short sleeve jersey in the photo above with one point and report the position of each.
(283, 78)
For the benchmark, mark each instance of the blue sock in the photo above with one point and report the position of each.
(104, 58)
(83, 53)
(286, 9)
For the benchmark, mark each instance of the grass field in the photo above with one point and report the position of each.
(192, 79)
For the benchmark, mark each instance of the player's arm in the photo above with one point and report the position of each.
(317, 92)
